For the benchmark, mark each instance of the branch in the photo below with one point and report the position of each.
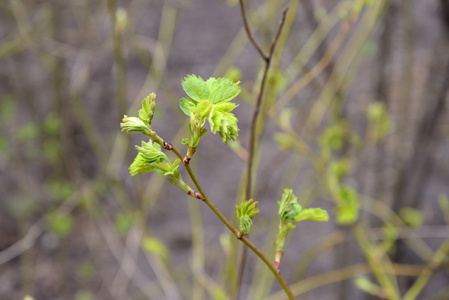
(252, 143)
(237, 233)
(248, 32)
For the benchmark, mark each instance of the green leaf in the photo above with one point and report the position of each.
(288, 206)
(222, 89)
(195, 87)
(246, 224)
(150, 155)
(146, 113)
(247, 208)
(225, 106)
(52, 124)
(156, 247)
(411, 216)
(168, 168)
(123, 222)
(28, 132)
(187, 105)
(134, 124)
(234, 74)
(204, 108)
(140, 165)
(347, 206)
(226, 125)
(313, 214)
(59, 223)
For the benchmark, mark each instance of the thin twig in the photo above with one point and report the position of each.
(237, 233)
(252, 140)
(250, 35)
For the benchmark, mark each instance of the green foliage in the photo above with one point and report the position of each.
(283, 140)
(347, 206)
(60, 189)
(52, 124)
(134, 124)
(123, 222)
(411, 216)
(27, 132)
(146, 113)
(155, 246)
(209, 101)
(59, 223)
(291, 212)
(313, 214)
(148, 159)
(288, 206)
(246, 211)
(234, 74)
(333, 137)
(143, 123)
(380, 124)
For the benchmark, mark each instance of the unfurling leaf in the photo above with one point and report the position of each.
(134, 124)
(288, 206)
(246, 224)
(313, 214)
(150, 155)
(147, 111)
(245, 212)
(210, 101)
(347, 206)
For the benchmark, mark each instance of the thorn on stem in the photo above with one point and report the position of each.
(239, 235)
(186, 160)
(168, 146)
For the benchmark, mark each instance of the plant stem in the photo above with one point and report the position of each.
(228, 224)
(252, 140)
(422, 280)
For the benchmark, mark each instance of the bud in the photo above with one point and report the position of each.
(134, 124)
(288, 206)
(147, 112)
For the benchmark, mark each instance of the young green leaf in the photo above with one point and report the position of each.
(347, 206)
(210, 101)
(187, 105)
(222, 89)
(246, 211)
(134, 124)
(147, 111)
(150, 155)
(195, 87)
(313, 214)
(288, 206)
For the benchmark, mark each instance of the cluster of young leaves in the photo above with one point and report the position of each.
(209, 101)
(346, 198)
(291, 212)
(143, 123)
(150, 157)
(379, 121)
(246, 211)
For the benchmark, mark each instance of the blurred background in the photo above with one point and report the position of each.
(354, 120)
